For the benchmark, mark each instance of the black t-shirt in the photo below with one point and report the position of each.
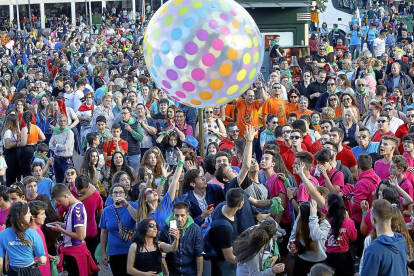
(401, 7)
(57, 90)
(400, 39)
(161, 121)
(222, 236)
(245, 218)
(320, 59)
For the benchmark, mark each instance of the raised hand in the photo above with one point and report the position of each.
(164, 170)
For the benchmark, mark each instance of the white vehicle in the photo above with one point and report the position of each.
(338, 12)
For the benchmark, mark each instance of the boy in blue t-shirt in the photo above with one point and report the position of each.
(40, 155)
(44, 184)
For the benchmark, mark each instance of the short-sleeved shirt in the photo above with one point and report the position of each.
(347, 158)
(277, 187)
(276, 107)
(221, 236)
(45, 186)
(336, 177)
(75, 217)
(303, 195)
(109, 222)
(110, 148)
(382, 169)
(247, 115)
(3, 215)
(19, 254)
(163, 211)
(92, 204)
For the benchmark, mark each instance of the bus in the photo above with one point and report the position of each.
(338, 12)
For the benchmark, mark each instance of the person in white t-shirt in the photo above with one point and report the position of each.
(379, 44)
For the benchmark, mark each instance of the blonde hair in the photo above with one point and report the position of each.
(351, 111)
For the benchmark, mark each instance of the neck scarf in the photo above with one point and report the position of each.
(187, 224)
(287, 72)
(348, 71)
(268, 131)
(57, 130)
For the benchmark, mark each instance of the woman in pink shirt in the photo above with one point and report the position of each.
(341, 233)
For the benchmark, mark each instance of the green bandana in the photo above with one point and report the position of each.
(40, 95)
(287, 72)
(268, 131)
(363, 92)
(118, 107)
(36, 155)
(372, 74)
(348, 71)
(187, 224)
(57, 130)
(334, 65)
(276, 207)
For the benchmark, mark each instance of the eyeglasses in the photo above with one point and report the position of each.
(293, 97)
(150, 192)
(234, 131)
(70, 173)
(152, 225)
(346, 99)
(292, 137)
(330, 84)
(387, 109)
(381, 121)
(361, 84)
(333, 100)
(275, 122)
(410, 115)
(363, 136)
(209, 112)
(118, 193)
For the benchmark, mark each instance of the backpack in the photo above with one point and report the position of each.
(347, 191)
(208, 224)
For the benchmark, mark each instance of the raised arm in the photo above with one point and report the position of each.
(249, 135)
(308, 185)
(176, 177)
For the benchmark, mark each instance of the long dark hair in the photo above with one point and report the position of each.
(253, 240)
(336, 213)
(141, 232)
(392, 197)
(15, 219)
(124, 167)
(302, 227)
(87, 167)
(27, 118)
(280, 167)
(51, 237)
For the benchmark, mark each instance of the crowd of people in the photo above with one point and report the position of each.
(313, 179)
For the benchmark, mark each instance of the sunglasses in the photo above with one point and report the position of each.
(293, 97)
(150, 192)
(410, 115)
(152, 225)
(306, 76)
(70, 173)
(332, 99)
(235, 131)
(294, 137)
(346, 99)
(387, 109)
(363, 136)
(276, 87)
(209, 112)
(330, 84)
(361, 84)
(275, 122)
(381, 121)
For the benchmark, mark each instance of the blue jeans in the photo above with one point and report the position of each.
(354, 48)
(133, 161)
(60, 166)
(370, 45)
(227, 269)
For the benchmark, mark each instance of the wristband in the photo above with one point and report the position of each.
(292, 199)
(180, 163)
(163, 180)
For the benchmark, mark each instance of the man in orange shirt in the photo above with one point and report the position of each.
(248, 110)
(274, 105)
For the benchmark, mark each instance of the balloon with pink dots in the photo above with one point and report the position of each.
(203, 53)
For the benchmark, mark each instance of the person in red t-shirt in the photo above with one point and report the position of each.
(115, 144)
(306, 139)
(383, 123)
(346, 156)
(403, 129)
(289, 157)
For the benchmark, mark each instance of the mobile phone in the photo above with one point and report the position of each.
(210, 206)
(173, 224)
(49, 225)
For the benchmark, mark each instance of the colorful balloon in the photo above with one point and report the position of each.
(203, 53)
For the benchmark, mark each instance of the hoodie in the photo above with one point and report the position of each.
(387, 255)
(226, 144)
(364, 190)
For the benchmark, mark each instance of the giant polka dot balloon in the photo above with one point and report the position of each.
(203, 53)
